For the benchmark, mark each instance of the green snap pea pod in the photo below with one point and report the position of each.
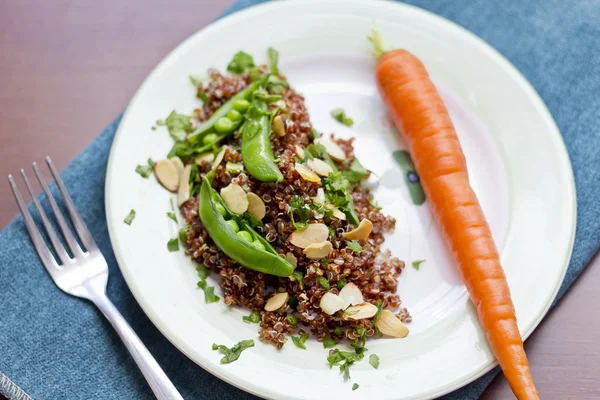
(209, 125)
(257, 153)
(259, 258)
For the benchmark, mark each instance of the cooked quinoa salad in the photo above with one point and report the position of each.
(279, 214)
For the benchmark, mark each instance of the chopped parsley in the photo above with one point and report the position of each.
(129, 218)
(178, 125)
(323, 282)
(145, 170)
(203, 271)
(356, 172)
(301, 210)
(340, 285)
(374, 360)
(292, 319)
(196, 80)
(209, 292)
(344, 359)
(329, 343)
(230, 355)
(340, 115)
(273, 60)
(336, 189)
(253, 318)
(417, 264)
(353, 245)
(160, 122)
(240, 63)
(173, 245)
(183, 234)
(376, 317)
(300, 340)
(355, 386)
(171, 214)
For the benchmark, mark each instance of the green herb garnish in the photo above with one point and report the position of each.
(323, 282)
(340, 115)
(344, 359)
(183, 234)
(355, 386)
(326, 261)
(376, 317)
(129, 218)
(173, 245)
(253, 318)
(240, 63)
(299, 341)
(178, 125)
(374, 360)
(292, 319)
(329, 343)
(273, 60)
(196, 80)
(230, 355)
(209, 292)
(203, 271)
(340, 285)
(356, 172)
(172, 213)
(299, 277)
(297, 207)
(417, 264)
(353, 245)
(373, 203)
(145, 170)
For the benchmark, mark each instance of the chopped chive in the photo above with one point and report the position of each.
(129, 218)
(340, 115)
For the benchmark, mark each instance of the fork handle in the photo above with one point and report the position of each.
(160, 384)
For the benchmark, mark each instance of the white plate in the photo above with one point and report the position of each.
(518, 164)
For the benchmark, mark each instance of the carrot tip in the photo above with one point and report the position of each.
(378, 42)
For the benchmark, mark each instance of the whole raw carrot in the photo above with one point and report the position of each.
(423, 120)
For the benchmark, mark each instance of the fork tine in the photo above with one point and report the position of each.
(41, 248)
(80, 227)
(58, 247)
(66, 231)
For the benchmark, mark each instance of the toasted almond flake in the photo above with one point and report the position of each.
(279, 125)
(256, 206)
(207, 157)
(390, 325)
(361, 232)
(313, 233)
(320, 167)
(166, 174)
(276, 301)
(338, 214)
(331, 303)
(235, 198)
(352, 295)
(306, 173)
(178, 165)
(333, 149)
(299, 151)
(218, 159)
(184, 186)
(291, 258)
(317, 251)
(320, 197)
(361, 311)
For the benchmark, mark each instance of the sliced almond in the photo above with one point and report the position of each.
(320, 197)
(306, 173)
(207, 158)
(319, 166)
(317, 251)
(256, 206)
(361, 232)
(277, 301)
(313, 233)
(390, 325)
(279, 125)
(291, 258)
(235, 198)
(178, 164)
(331, 303)
(184, 186)
(299, 151)
(338, 214)
(333, 149)
(361, 311)
(166, 174)
(218, 159)
(351, 295)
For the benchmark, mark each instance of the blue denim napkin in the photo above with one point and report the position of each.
(55, 347)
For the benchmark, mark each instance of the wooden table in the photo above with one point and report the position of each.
(68, 67)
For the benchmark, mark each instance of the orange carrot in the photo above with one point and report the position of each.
(423, 120)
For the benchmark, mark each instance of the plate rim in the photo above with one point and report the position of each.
(249, 12)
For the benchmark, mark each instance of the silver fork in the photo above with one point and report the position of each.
(86, 273)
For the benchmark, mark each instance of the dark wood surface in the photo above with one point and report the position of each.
(68, 67)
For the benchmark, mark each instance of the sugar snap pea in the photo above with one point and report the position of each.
(248, 248)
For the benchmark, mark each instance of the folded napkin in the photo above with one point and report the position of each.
(53, 346)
